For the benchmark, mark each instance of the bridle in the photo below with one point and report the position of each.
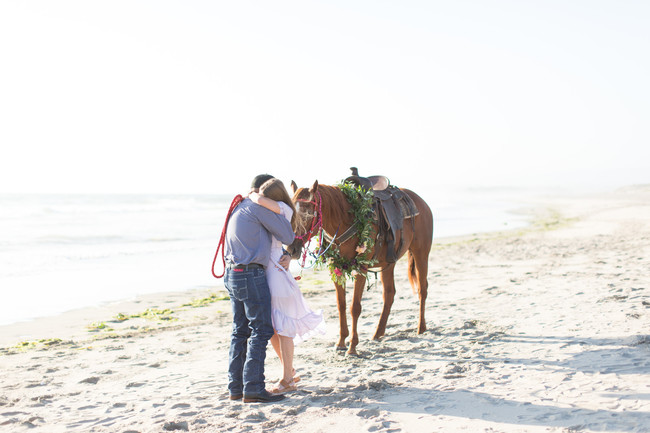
(316, 228)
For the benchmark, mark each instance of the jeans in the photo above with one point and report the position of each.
(251, 329)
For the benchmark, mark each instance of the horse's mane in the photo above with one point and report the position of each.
(337, 205)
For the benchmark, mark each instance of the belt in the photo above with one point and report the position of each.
(245, 267)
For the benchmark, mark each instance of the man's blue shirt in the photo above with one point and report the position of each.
(248, 237)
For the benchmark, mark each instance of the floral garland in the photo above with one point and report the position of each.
(341, 268)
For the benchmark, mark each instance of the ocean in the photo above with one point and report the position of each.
(63, 252)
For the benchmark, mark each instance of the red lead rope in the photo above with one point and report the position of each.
(238, 199)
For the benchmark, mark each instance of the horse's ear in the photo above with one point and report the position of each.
(314, 188)
(294, 187)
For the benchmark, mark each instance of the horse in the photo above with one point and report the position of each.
(415, 238)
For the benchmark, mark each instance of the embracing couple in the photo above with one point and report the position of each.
(266, 301)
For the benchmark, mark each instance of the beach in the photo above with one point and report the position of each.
(544, 328)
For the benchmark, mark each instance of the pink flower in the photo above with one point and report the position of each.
(338, 272)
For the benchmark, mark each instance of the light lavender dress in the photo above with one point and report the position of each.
(291, 315)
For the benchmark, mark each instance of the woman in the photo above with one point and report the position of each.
(293, 320)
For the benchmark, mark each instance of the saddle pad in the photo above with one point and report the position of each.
(393, 206)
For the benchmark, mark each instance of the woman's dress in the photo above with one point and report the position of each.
(291, 315)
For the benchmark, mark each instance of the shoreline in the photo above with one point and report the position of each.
(113, 279)
(537, 212)
(28, 329)
(540, 329)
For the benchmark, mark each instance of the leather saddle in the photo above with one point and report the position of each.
(392, 207)
(375, 183)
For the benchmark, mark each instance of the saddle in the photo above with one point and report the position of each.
(375, 183)
(391, 206)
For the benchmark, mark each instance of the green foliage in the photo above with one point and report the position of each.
(149, 314)
(99, 326)
(156, 314)
(204, 302)
(33, 344)
(342, 268)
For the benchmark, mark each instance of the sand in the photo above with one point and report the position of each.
(544, 329)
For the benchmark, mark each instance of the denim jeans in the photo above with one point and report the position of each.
(251, 329)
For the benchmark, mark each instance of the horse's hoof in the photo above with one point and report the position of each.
(339, 348)
(352, 353)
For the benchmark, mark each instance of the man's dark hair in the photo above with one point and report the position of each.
(259, 180)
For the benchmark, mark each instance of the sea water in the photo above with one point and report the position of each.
(62, 252)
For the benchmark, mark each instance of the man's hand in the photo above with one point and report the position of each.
(285, 260)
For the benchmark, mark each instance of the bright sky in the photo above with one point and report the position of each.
(198, 96)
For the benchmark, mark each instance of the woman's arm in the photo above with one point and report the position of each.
(266, 202)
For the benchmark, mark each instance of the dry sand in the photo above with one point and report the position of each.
(539, 330)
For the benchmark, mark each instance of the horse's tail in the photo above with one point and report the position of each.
(412, 273)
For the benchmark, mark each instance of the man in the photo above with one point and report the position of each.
(247, 250)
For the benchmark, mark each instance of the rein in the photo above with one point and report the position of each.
(235, 202)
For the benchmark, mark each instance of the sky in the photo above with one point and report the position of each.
(199, 96)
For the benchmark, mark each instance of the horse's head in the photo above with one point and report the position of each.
(305, 201)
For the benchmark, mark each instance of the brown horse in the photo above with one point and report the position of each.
(417, 238)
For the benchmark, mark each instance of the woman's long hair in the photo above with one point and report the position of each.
(275, 190)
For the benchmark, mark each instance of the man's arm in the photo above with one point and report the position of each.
(277, 225)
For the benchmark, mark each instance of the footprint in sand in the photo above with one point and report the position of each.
(383, 426)
(172, 426)
(91, 380)
(455, 371)
(295, 410)
(14, 413)
(368, 413)
(43, 399)
(255, 417)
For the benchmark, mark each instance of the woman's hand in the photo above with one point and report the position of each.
(285, 260)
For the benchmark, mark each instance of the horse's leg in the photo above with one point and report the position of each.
(343, 321)
(421, 257)
(355, 312)
(388, 282)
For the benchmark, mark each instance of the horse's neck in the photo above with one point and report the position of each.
(336, 215)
